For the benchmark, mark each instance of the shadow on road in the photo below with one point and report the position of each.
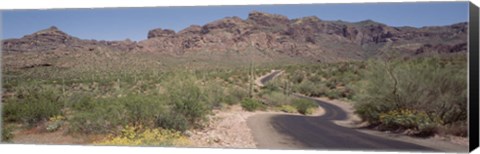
(321, 133)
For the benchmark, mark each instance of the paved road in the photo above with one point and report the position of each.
(269, 77)
(286, 131)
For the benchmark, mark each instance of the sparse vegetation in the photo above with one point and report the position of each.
(332, 80)
(96, 95)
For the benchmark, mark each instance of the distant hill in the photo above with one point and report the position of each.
(308, 37)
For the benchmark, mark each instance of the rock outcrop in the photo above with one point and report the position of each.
(53, 39)
(270, 33)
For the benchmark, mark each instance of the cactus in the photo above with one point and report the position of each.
(251, 78)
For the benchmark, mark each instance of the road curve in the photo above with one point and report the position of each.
(287, 131)
(269, 77)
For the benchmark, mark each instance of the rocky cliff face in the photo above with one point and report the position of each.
(276, 34)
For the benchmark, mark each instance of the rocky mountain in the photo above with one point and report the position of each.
(270, 33)
(52, 39)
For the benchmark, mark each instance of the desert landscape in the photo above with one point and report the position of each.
(266, 81)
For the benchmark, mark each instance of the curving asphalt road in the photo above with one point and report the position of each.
(269, 77)
(286, 131)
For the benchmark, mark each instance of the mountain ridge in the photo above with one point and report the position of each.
(305, 37)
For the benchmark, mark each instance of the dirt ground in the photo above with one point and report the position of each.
(38, 135)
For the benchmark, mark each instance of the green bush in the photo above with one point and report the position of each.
(305, 87)
(218, 96)
(333, 94)
(106, 114)
(173, 122)
(304, 105)
(105, 117)
(271, 86)
(297, 77)
(309, 88)
(252, 105)
(187, 99)
(278, 99)
(33, 104)
(288, 109)
(434, 86)
(141, 109)
(239, 94)
(81, 102)
(409, 119)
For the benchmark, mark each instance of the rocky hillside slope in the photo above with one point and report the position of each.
(53, 39)
(270, 34)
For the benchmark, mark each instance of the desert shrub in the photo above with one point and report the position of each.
(80, 102)
(320, 90)
(311, 89)
(218, 96)
(252, 104)
(434, 86)
(213, 94)
(333, 94)
(370, 112)
(271, 86)
(187, 99)
(304, 105)
(305, 87)
(229, 99)
(7, 134)
(288, 109)
(316, 78)
(278, 99)
(142, 110)
(172, 121)
(297, 77)
(134, 136)
(33, 104)
(239, 94)
(331, 83)
(420, 122)
(346, 92)
(105, 117)
(106, 114)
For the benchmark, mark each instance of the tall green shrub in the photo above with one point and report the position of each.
(434, 86)
(33, 104)
(304, 106)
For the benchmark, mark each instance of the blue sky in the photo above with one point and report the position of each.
(134, 23)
